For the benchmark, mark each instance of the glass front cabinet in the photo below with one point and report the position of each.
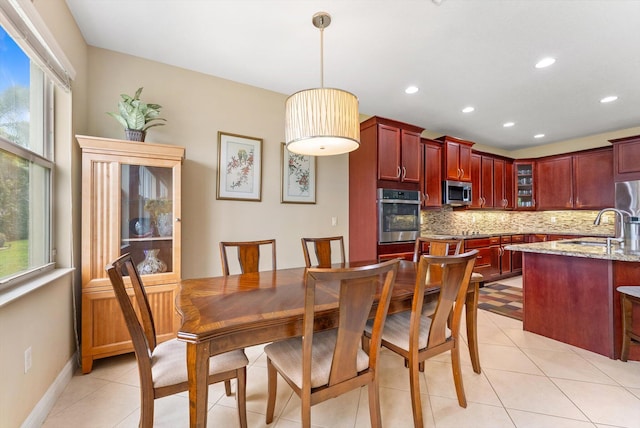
(524, 177)
(130, 204)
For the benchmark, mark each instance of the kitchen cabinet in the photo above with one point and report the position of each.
(432, 176)
(130, 204)
(626, 158)
(554, 183)
(381, 139)
(402, 250)
(399, 150)
(488, 259)
(525, 185)
(581, 180)
(593, 179)
(516, 256)
(492, 180)
(456, 158)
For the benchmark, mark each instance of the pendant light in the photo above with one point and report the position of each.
(322, 121)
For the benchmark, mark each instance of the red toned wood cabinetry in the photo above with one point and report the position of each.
(593, 179)
(386, 147)
(456, 158)
(492, 181)
(432, 176)
(554, 183)
(399, 150)
(626, 158)
(581, 180)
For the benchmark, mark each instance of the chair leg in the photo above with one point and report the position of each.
(374, 404)
(471, 318)
(146, 411)
(227, 388)
(627, 321)
(305, 410)
(241, 395)
(272, 385)
(416, 402)
(457, 376)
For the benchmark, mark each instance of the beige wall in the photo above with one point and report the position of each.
(196, 107)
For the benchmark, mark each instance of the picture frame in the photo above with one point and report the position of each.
(298, 172)
(239, 167)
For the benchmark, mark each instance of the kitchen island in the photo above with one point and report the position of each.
(569, 292)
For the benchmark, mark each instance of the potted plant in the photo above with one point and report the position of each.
(136, 116)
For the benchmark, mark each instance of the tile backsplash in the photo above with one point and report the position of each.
(458, 222)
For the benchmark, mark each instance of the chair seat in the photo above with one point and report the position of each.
(168, 363)
(396, 330)
(630, 290)
(287, 355)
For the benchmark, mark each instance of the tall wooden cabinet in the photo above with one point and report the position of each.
(130, 204)
(456, 162)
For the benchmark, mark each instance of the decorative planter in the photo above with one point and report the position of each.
(134, 134)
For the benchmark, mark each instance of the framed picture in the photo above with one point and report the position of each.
(298, 177)
(239, 167)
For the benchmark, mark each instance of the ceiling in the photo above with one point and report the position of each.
(479, 53)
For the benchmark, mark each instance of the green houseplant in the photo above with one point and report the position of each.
(136, 116)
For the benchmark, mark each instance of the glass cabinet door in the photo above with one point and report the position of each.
(524, 186)
(147, 217)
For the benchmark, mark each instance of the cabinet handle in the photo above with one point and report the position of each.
(398, 173)
(177, 218)
(404, 172)
(426, 197)
(461, 172)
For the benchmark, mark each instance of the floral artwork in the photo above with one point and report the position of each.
(298, 177)
(239, 167)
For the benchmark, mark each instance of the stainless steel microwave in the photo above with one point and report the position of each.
(456, 193)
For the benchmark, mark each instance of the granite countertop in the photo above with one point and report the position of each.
(594, 248)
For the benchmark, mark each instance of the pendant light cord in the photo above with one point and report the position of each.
(322, 57)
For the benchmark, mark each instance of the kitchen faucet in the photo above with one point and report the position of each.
(621, 213)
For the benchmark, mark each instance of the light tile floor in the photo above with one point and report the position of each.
(527, 381)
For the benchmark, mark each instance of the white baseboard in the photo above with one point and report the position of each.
(40, 412)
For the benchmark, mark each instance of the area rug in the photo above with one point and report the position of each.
(501, 299)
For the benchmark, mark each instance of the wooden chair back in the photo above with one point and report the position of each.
(436, 247)
(323, 250)
(248, 255)
(358, 288)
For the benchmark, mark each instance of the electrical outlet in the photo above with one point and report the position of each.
(27, 359)
(334, 221)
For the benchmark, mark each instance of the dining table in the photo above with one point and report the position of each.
(225, 313)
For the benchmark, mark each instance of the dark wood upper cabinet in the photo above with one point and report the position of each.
(456, 158)
(581, 180)
(593, 179)
(554, 177)
(626, 158)
(492, 181)
(399, 150)
(432, 186)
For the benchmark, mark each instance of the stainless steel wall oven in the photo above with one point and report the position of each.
(398, 215)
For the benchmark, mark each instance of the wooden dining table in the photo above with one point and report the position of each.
(224, 313)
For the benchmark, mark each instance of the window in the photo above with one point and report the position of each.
(26, 164)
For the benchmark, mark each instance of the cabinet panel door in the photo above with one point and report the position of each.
(593, 180)
(433, 175)
(452, 164)
(388, 153)
(627, 159)
(411, 156)
(487, 182)
(476, 181)
(508, 185)
(465, 162)
(554, 183)
(498, 183)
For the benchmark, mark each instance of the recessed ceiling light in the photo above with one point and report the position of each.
(538, 136)
(411, 89)
(508, 124)
(609, 99)
(468, 109)
(545, 62)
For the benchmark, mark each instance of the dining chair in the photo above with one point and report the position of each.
(162, 366)
(325, 364)
(436, 247)
(248, 255)
(417, 337)
(629, 296)
(323, 250)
